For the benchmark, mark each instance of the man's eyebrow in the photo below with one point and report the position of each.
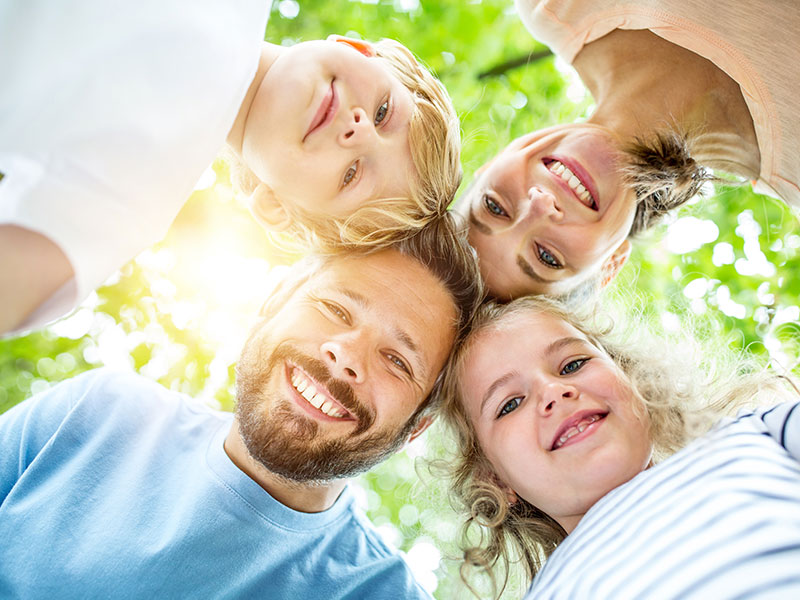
(500, 381)
(478, 225)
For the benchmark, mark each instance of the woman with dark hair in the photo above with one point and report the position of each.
(680, 87)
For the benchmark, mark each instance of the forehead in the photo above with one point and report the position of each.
(517, 338)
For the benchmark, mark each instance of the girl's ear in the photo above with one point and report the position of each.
(614, 263)
(267, 209)
(511, 495)
(361, 46)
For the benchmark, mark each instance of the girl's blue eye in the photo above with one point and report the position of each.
(493, 207)
(383, 110)
(510, 406)
(574, 366)
(546, 258)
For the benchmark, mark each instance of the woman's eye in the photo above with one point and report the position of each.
(383, 110)
(510, 406)
(493, 207)
(546, 257)
(350, 174)
(400, 363)
(574, 365)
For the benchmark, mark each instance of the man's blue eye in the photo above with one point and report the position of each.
(493, 207)
(510, 406)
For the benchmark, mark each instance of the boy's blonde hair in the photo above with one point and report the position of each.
(683, 387)
(435, 144)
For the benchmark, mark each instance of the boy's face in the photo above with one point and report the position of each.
(328, 128)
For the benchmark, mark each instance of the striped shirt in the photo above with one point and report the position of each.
(718, 520)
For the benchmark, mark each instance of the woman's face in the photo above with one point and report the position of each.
(550, 211)
(553, 414)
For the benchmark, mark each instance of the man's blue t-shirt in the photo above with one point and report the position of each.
(112, 486)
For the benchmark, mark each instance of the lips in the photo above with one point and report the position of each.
(571, 430)
(315, 397)
(326, 111)
(572, 175)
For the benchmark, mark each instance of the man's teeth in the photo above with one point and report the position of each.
(575, 430)
(572, 181)
(315, 399)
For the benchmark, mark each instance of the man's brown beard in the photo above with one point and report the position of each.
(284, 441)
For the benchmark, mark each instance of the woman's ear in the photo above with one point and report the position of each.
(267, 209)
(614, 263)
(361, 46)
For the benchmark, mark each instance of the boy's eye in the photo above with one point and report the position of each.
(381, 113)
(493, 207)
(546, 258)
(350, 174)
(574, 366)
(510, 406)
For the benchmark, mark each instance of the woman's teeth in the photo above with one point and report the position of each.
(307, 390)
(573, 182)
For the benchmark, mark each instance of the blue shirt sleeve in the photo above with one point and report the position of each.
(783, 424)
(28, 427)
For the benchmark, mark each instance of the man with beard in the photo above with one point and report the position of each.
(113, 487)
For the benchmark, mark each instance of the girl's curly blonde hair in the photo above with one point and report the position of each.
(682, 386)
(435, 142)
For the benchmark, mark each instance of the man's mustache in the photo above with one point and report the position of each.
(341, 391)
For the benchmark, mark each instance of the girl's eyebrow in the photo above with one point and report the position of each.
(560, 343)
(500, 381)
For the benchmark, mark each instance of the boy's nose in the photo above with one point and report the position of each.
(358, 129)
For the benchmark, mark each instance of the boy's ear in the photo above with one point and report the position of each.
(423, 424)
(614, 263)
(362, 46)
(267, 210)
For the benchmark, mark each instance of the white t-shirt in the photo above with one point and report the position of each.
(110, 111)
(755, 42)
(718, 520)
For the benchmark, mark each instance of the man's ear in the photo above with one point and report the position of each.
(267, 209)
(614, 263)
(362, 46)
(423, 424)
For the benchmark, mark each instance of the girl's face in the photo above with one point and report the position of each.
(553, 414)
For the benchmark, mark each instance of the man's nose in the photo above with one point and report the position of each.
(345, 357)
(543, 203)
(358, 129)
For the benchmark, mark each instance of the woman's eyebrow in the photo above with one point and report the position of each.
(473, 220)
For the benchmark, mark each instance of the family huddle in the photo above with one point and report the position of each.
(587, 456)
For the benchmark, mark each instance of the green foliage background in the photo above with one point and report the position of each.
(179, 312)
